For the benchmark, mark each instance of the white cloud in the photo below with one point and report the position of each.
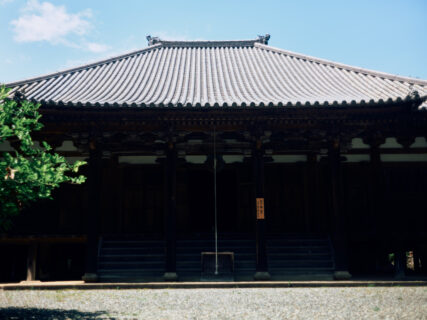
(43, 21)
(97, 47)
(3, 2)
(47, 22)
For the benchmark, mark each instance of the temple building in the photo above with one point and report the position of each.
(284, 165)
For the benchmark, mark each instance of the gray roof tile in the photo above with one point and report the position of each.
(217, 73)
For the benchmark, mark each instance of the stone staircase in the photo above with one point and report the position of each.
(300, 256)
(135, 258)
(189, 254)
(130, 259)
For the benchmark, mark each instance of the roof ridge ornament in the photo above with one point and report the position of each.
(153, 40)
(264, 39)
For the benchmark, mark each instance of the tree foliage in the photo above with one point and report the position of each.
(29, 172)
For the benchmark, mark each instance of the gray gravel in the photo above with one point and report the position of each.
(259, 303)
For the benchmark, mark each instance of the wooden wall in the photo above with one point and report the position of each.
(296, 201)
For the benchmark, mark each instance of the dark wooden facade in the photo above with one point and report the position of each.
(298, 159)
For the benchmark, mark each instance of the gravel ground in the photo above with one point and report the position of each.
(257, 303)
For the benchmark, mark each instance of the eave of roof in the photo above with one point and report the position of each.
(415, 101)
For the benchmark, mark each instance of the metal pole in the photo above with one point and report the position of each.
(215, 205)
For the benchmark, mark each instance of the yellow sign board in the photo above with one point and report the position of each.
(260, 208)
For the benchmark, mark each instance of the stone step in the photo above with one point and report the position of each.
(131, 262)
(134, 257)
(299, 263)
(294, 249)
(299, 270)
(199, 251)
(131, 265)
(299, 255)
(296, 236)
(212, 241)
(127, 271)
(131, 257)
(212, 246)
(298, 240)
(132, 244)
(131, 251)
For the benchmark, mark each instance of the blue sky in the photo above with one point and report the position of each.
(39, 37)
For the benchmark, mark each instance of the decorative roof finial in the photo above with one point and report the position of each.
(264, 39)
(152, 40)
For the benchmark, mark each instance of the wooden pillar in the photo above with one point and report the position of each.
(376, 182)
(261, 245)
(339, 234)
(170, 212)
(32, 262)
(310, 192)
(376, 200)
(94, 186)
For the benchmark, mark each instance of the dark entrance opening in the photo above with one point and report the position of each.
(201, 202)
(141, 201)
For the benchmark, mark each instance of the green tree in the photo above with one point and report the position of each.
(28, 173)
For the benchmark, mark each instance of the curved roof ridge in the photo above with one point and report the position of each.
(84, 66)
(375, 73)
(209, 43)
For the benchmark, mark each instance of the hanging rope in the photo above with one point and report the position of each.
(215, 203)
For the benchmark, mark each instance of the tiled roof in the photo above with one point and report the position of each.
(216, 74)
